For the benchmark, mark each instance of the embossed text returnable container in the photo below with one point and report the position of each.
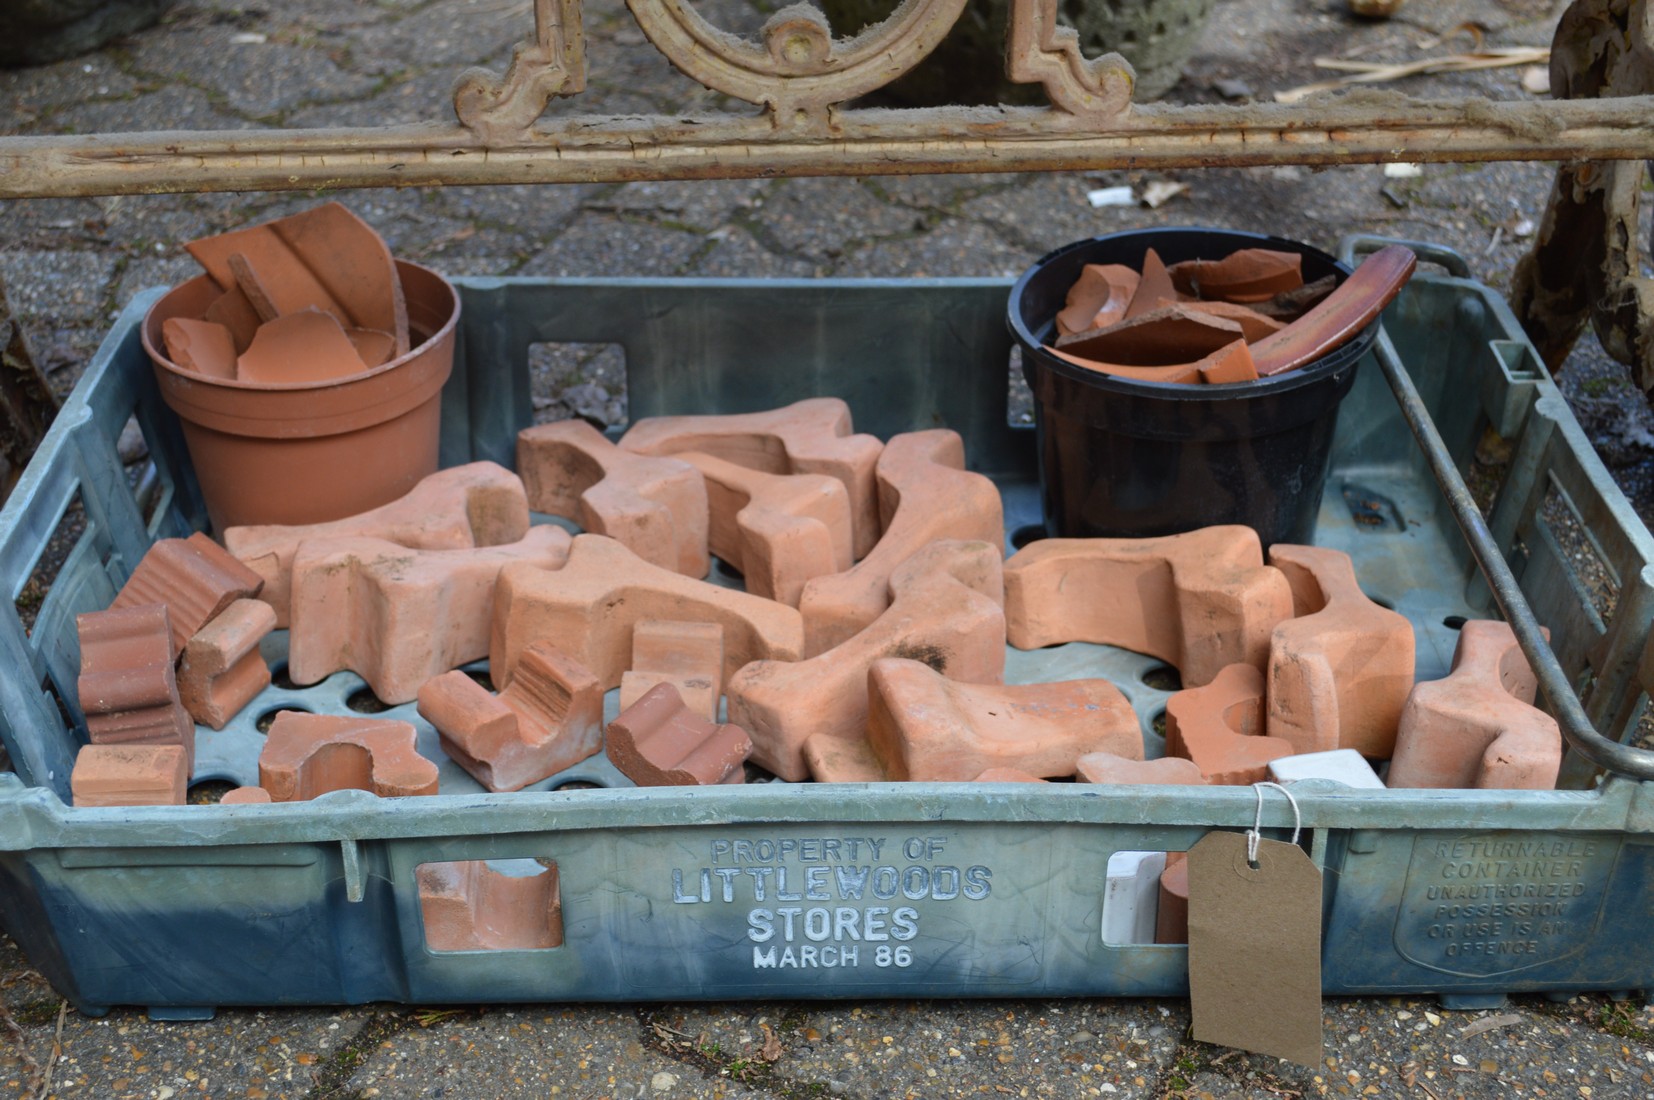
(1124, 458)
(305, 452)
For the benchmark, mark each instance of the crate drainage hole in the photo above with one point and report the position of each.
(279, 677)
(578, 785)
(490, 905)
(1131, 901)
(209, 792)
(1372, 512)
(1162, 678)
(364, 701)
(1454, 622)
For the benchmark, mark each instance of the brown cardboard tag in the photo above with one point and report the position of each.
(1255, 947)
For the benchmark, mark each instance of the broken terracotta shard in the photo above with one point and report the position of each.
(654, 506)
(923, 726)
(1098, 298)
(925, 494)
(807, 437)
(127, 687)
(778, 530)
(1154, 287)
(1245, 275)
(399, 617)
(222, 670)
(1340, 670)
(942, 611)
(195, 578)
(1253, 325)
(246, 796)
(324, 258)
(589, 607)
(468, 906)
(1163, 337)
(1200, 600)
(1340, 316)
(479, 504)
(659, 742)
(1219, 727)
(303, 347)
(1478, 727)
(200, 346)
(689, 656)
(130, 775)
(550, 717)
(1106, 767)
(307, 755)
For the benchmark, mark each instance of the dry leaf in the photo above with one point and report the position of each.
(1157, 193)
(772, 1044)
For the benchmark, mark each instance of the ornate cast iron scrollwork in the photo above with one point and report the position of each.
(797, 70)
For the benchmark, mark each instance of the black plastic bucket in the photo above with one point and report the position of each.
(1123, 458)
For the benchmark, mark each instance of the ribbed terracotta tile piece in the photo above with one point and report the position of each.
(308, 755)
(659, 742)
(478, 504)
(130, 775)
(1106, 767)
(1219, 726)
(589, 607)
(195, 578)
(942, 611)
(689, 656)
(469, 906)
(1478, 727)
(1340, 670)
(127, 688)
(399, 617)
(925, 494)
(550, 717)
(1200, 600)
(812, 436)
(221, 669)
(778, 530)
(923, 726)
(654, 506)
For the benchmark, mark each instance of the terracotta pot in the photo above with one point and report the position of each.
(308, 452)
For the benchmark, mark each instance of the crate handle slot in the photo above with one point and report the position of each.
(1358, 244)
(1581, 736)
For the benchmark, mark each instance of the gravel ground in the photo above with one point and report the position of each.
(70, 264)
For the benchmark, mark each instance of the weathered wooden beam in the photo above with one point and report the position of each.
(1365, 127)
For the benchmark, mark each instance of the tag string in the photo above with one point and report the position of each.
(1253, 835)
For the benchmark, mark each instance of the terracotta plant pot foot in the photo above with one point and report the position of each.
(195, 578)
(935, 613)
(399, 617)
(127, 688)
(659, 742)
(468, 906)
(925, 494)
(689, 656)
(1199, 601)
(130, 775)
(654, 506)
(1219, 726)
(807, 437)
(307, 755)
(222, 669)
(479, 504)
